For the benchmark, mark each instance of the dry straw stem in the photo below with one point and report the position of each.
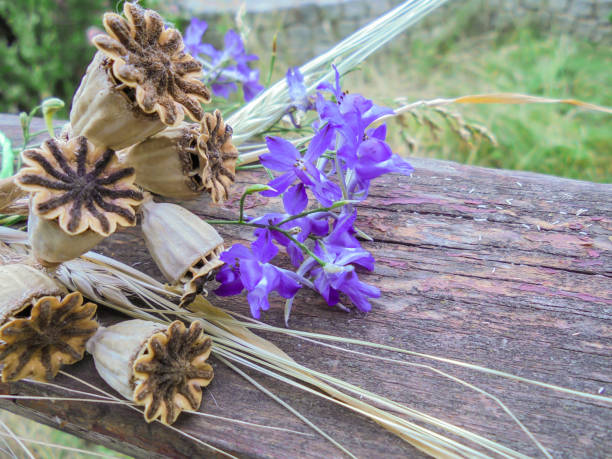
(463, 129)
(234, 342)
(266, 109)
(494, 98)
(11, 198)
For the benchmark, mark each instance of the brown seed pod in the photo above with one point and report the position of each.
(107, 113)
(55, 332)
(13, 199)
(169, 163)
(215, 143)
(163, 369)
(77, 190)
(185, 248)
(21, 285)
(149, 65)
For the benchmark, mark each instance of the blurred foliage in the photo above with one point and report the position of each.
(44, 49)
(468, 55)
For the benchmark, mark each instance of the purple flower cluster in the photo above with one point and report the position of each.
(226, 68)
(333, 173)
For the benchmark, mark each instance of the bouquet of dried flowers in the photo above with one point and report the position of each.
(129, 146)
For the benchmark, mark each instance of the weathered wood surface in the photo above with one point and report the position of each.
(509, 270)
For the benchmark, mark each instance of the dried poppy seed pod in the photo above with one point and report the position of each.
(140, 81)
(215, 143)
(10, 195)
(185, 248)
(20, 285)
(169, 163)
(162, 368)
(54, 334)
(80, 194)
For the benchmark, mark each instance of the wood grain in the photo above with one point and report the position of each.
(509, 270)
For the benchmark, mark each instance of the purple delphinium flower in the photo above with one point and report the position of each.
(193, 37)
(371, 159)
(250, 81)
(334, 112)
(251, 271)
(225, 75)
(341, 251)
(284, 157)
(316, 224)
(227, 66)
(297, 90)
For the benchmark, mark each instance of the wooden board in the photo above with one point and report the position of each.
(509, 270)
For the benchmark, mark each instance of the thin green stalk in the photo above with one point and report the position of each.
(8, 157)
(285, 233)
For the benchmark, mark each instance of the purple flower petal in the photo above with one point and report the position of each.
(224, 89)
(280, 184)
(230, 281)
(250, 273)
(295, 199)
(283, 154)
(263, 247)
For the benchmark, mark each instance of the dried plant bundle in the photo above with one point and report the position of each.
(236, 343)
(160, 367)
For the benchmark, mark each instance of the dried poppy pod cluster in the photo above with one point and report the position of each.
(140, 82)
(82, 188)
(160, 368)
(42, 327)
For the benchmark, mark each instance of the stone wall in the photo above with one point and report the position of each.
(309, 27)
(590, 19)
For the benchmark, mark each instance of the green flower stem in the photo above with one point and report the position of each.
(319, 209)
(285, 233)
(241, 215)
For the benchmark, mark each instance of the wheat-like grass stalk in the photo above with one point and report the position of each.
(267, 108)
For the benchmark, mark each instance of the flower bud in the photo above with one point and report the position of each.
(55, 332)
(49, 108)
(162, 368)
(185, 248)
